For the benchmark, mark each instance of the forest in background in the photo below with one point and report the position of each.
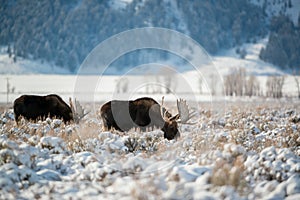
(64, 32)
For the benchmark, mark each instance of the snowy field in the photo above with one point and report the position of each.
(252, 151)
(106, 89)
(239, 148)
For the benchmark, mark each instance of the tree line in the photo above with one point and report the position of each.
(238, 83)
(283, 47)
(63, 32)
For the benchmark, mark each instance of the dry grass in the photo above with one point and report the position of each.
(229, 173)
(201, 141)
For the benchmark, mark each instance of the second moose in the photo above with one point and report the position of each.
(144, 113)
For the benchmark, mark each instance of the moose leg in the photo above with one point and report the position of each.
(18, 119)
(105, 128)
(106, 125)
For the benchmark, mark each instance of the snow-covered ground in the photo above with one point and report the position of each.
(228, 60)
(250, 152)
(27, 66)
(65, 86)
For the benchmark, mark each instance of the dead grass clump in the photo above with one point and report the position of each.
(76, 146)
(132, 144)
(205, 145)
(142, 142)
(226, 173)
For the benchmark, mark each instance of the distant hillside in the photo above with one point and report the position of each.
(63, 32)
(283, 48)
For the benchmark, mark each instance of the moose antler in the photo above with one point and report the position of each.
(184, 112)
(78, 111)
(166, 115)
(71, 105)
(163, 114)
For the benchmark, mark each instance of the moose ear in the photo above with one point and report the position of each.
(174, 118)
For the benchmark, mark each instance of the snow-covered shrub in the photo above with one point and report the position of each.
(54, 144)
(251, 151)
(229, 167)
(147, 142)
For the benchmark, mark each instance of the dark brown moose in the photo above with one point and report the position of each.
(143, 113)
(33, 107)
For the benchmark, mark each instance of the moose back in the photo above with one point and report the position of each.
(33, 107)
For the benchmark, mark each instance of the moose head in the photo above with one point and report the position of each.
(170, 127)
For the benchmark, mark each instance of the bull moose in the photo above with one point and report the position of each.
(144, 113)
(33, 107)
